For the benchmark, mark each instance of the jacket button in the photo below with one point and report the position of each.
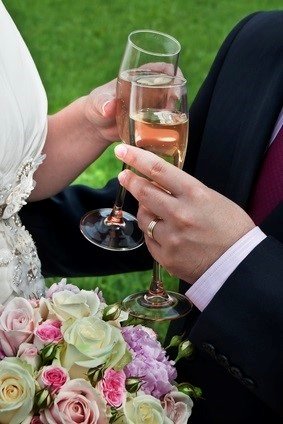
(235, 372)
(209, 348)
(250, 384)
(222, 360)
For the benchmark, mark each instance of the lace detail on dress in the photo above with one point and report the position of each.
(13, 196)
(20, 254)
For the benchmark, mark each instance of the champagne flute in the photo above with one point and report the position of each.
(147, 52)
(159, 123)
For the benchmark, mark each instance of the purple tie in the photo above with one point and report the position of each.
(268, 192)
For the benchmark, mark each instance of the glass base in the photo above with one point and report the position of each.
(154, 308)
(111, 236)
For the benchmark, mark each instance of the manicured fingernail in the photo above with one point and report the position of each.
(105, 107)
(120, 151)
(121, 177)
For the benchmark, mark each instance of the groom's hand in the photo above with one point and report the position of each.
(197, 224)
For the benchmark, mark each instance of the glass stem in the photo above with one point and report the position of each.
(116, 215)
(121, 192)
(156, 288)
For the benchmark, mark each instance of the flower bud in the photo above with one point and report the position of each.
(133, 384)
(48, 353)
(190, 390)
(111, 312)
(185, 350)
(42, 400)
(175, 341)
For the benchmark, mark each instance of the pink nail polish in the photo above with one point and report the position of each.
(104, 107)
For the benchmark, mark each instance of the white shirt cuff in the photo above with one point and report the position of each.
(205, 288)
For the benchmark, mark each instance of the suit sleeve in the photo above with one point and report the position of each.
(244, 323)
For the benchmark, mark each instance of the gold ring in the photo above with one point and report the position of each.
(150, 228)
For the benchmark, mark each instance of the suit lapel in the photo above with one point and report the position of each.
(246, 102)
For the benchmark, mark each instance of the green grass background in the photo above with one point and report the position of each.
(77, 45)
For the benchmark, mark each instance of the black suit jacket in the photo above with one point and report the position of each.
(238, 337)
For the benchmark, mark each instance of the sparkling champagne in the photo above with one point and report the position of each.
(162, 132)
(123, 98)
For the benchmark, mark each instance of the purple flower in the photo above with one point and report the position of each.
(61, 286)
(150, 362)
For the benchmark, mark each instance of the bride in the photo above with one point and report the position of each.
(63, 145)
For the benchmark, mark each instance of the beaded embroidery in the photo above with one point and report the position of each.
(13, 196)
(26, 279)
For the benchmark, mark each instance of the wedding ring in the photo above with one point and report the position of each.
(150, 228)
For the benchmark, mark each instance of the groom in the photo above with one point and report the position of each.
(238, 333)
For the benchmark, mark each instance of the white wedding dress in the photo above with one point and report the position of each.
(23, 127)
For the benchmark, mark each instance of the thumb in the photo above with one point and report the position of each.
(109, 107)
(103, 98)
(101, 101)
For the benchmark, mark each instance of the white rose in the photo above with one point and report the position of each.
(17, 389)
(91, 342)
(66, 304)
(144, 409)
(177, 406)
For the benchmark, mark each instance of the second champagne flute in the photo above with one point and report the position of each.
(159, 123)
(147, 53)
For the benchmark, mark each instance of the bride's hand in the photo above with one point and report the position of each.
(77, 135)
(100, 109)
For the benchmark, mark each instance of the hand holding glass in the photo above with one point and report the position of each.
(147, 53)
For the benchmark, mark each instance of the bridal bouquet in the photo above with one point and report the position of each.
(66, 358)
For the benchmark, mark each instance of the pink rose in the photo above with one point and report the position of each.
(48, 332)
(177, 406)
(29, 353)
(17, 323)
(113, 387)
(76, 402)
(53, 377)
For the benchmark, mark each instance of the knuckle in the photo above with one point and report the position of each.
(182, 217)
(156, 169)
(173, 243)
(199, 193)
(186, 219)
(142, 193)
